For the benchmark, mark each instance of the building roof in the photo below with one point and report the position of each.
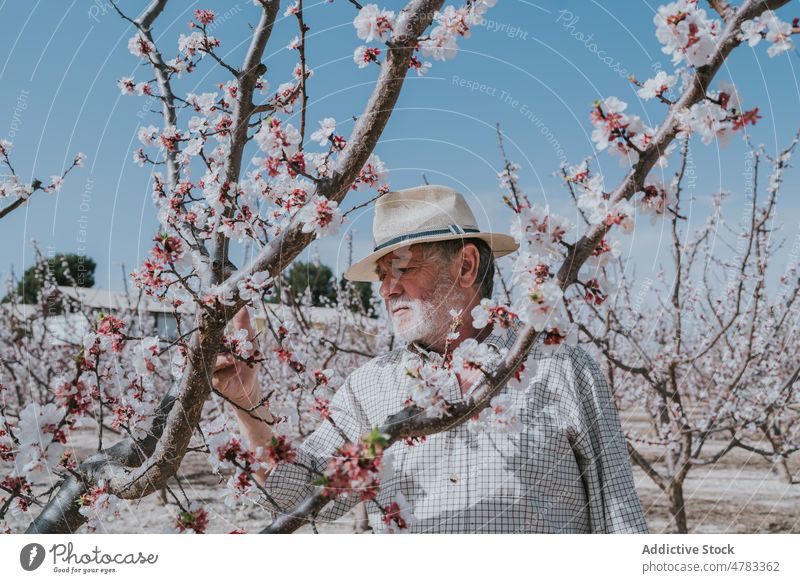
(106, 299)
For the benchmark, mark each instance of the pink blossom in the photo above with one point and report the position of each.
(621, 214)
(321, 216)
(419, 66)
(354, 468)
(398, 517)
(321, 407)
(239, 490)
(364, 55)
(168, 248)
(280, 450)
(238, 343)
(126, 85)
(143, 88)
(656, 198)
(112, 328)
(538, 229)
(371, 174)
(275, 138)
(170, 137)
(204, 17)
(489, 312)
(139, 46)
(194, 520)
(541, 303)
(98, 505)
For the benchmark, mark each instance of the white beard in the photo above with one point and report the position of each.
(427, 320)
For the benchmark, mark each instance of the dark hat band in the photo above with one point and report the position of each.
(449, 230)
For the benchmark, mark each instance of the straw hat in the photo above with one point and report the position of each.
(419, 215)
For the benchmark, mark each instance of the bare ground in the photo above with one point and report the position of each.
(742, 493)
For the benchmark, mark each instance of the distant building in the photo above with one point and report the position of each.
(81, 306)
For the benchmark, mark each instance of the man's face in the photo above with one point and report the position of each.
(418, 294)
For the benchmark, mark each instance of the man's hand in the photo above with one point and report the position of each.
(233, 378)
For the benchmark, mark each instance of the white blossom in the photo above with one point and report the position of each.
(146, 358)
(326, 128)
(205, 103)
(779, 33)
(321, 215)
(254, 286)
(426, 388)
(373, 23)
(139, 46)
(659, 84)
(751, 31)
(686, 32)
(148, 135)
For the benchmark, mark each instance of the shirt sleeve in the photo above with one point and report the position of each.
(289, 484)
(602, 455)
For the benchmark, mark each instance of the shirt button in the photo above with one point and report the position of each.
(454, 478)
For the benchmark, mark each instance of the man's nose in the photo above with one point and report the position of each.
(389, 287)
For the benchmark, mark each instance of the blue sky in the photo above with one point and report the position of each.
(531, 69)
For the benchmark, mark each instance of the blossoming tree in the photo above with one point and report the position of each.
(206, 202)
(712, 363)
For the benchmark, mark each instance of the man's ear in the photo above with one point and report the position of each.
(470, 259)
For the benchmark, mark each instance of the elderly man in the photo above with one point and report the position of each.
(566, 470)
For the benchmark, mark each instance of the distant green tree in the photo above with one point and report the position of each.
(360, 296)
(319, 279)
(65, 268)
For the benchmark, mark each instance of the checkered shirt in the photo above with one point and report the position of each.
(566, 471)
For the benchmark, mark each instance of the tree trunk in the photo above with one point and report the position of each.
(786, 472)
(678, 508)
